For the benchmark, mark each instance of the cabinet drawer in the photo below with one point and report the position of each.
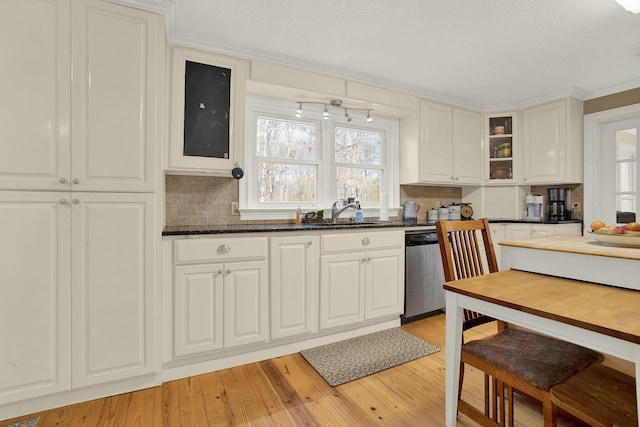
(361, 241)
(223, 249)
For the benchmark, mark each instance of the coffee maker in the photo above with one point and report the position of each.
(559, 200)
(535, 204)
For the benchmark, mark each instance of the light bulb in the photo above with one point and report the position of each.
(299, 111)
(369, 118)
(325, 113)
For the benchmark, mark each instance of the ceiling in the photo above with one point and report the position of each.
(486, 55)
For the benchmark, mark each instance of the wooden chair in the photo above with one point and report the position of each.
(599, 396)
(511, 359)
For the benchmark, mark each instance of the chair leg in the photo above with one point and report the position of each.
(510, 410)
(549, 411)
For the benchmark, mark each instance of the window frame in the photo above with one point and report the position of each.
(258, 105)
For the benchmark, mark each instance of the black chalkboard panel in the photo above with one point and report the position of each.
(207, 99)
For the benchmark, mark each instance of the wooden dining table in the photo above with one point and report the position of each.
(602, 317)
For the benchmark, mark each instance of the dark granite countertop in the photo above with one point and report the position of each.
(261, 228)
(544, 221)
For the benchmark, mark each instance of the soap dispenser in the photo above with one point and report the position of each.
(358, 213)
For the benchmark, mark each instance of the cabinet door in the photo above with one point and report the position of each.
(384, 288)
(541, 230)
(198, 309)
(35, 88)
(214, 163)
(502, 151)
(544, 143)
(245, 303)
(34, 295)
(517, 231)
(294, 285)
(467, 146)
(113, 238)
(341, 289)
(568, 229)
(498, 234)
(436, 146)
(116, 79)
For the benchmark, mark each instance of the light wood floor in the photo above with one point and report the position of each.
(286, 391)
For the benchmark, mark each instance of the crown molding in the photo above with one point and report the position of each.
(632, 84)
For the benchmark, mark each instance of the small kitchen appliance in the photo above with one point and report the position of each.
(535, 206)
(559, 204)
(410, 211)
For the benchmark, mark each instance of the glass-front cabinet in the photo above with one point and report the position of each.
(501, 148)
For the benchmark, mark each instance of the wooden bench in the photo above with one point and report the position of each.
(599, 396)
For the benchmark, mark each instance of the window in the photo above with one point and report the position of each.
(611, 181)
(626, 141)
(311, 162)
(286, 162)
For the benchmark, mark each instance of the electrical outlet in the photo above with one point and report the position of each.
(234, 209)
(577, 207)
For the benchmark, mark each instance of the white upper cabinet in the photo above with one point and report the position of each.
(436, 147)
(553, 143)
(117, 76)
(207, 112)
(35, 86)
(80, 99)
(467, 146)
(442, 147)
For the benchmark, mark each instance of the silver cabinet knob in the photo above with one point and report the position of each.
(228, 271)
(223, 249)
(219, 272)
(309, 243)
(75, 201)
(76, 181)
(62, 180)
(366, 241)
(368, 259)
(63, 201)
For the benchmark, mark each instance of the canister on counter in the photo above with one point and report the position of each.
(432, 215)
(443, 213)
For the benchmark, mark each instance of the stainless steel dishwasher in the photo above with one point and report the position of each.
(423, 276)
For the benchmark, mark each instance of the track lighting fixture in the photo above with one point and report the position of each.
(337, 103)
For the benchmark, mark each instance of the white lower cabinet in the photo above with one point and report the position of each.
(35, 312)
(361, 277)
(198, 309)
(502, 232)
(77, 297)
(220, 294)
(294, 285)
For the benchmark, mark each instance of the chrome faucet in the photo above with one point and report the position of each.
(335, 212)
